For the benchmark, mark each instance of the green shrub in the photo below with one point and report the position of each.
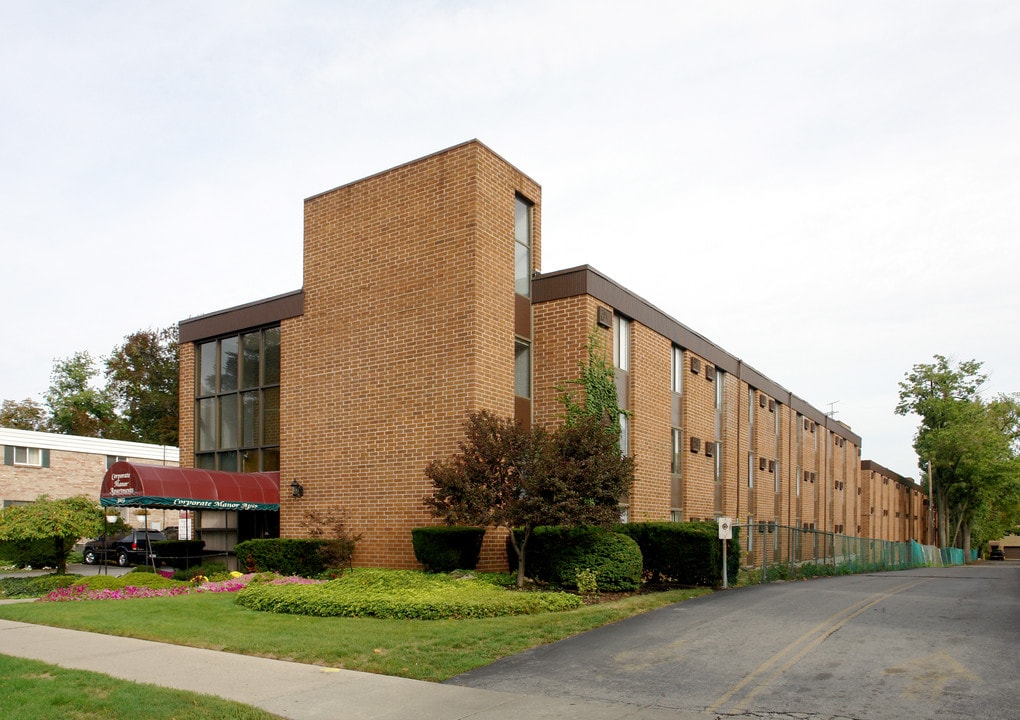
(281, 555)
(179, 553)
(402, 594)
(26, 587)
(36, 553)
(556, 554)
(687, 553)
(443, 548)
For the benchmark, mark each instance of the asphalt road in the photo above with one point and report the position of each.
(924, 643)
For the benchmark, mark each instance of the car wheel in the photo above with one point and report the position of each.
(90, 557)
(122, 559)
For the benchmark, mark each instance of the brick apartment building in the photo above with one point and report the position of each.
(422, 301)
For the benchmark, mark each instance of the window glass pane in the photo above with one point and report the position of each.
(228, 421)
(228, 461)
(624, 434)
(271, 416)
(250, 461)
(21, 455)
(249, 419)
(271, 460)
(522, 221)
(522, 252)
(678, 370)
(250, 363)
(207, 424)
(522, 270)
(621, 342)
(271, 356)
(228, 364)
(522, 370)
(207, 368)
(205, 462)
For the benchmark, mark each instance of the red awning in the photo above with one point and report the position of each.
(128, 484)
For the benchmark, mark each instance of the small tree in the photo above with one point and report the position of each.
(63, 521)
(506, 476)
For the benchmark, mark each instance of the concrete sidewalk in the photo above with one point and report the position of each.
(294, 690)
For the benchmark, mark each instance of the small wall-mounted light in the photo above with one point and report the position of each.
(297, 489)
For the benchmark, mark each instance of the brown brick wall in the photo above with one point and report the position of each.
(408, 327)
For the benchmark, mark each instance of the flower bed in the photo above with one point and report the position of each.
(146, 585)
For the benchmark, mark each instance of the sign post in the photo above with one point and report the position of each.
(725, 534)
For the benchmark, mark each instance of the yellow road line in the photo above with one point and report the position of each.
(802, 646)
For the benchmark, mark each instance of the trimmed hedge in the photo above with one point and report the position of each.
(179, 553)
(686, 553)
(444, 548)
(402, 594)
(281, 555)
(556, 554)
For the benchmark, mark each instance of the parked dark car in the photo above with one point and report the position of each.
(997, 553)
(127, 549)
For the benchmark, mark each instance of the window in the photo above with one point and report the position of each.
(720, 376)
(621, 342)
(678, 370)
(677, 445)
(238, 402)
(750, 469)
(522, 369)
(624, 434)
(111, 459)
(522, 246)
(32, 457)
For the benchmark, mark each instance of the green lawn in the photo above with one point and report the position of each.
(422, 649)
(31, 690)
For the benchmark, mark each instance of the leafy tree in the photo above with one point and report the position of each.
(969, 446)
(24, 415)
(506, 476)
(63, 521)
(76, 405)
(142, 379)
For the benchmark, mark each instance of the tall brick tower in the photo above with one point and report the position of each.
(416, 312)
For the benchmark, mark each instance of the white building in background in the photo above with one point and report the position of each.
(61, 466)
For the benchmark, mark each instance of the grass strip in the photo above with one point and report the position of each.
(33, 690)
(434, 650)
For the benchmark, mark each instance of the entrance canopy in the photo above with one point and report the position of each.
(128, 484)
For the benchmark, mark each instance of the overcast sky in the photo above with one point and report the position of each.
(827, 190)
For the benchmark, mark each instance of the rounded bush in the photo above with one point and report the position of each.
(615, 559)
(556, 554)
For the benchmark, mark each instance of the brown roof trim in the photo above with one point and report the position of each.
(871, 465)
(242, 317)
(586, 280)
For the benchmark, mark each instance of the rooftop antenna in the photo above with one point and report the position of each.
(832, 409)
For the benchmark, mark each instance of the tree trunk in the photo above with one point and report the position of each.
(520, 554)
(61, 555)
(942, 508)
(966, 542)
